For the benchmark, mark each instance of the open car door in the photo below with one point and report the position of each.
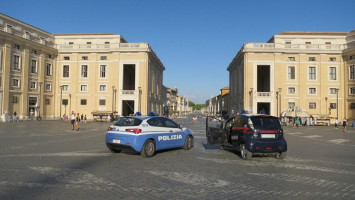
(215, 134)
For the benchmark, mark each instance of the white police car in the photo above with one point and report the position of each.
(147, 134)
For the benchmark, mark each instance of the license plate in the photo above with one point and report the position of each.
(116, 141)
(267, 135)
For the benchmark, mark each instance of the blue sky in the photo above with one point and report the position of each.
(195, 39)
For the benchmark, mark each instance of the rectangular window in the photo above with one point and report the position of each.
(102, 102)
(33, 85)
(71, 43)
(16, 46)
(102, 88)
(312, 73)
(291, 59)
(352, 90)
(332, 73)
(102, 71)
(84, 58)
(16, 63)
(84, 71)
(312, 59)
(88, 42)
(332, 59)
(66, 58)
(14, 99)
(48, 69)
(65, 71)
(352, 105)
(47, 101)
(333, 105)
(312, 90)
(291, 90)
(34, 52)
(83, 102)
(352, 72)
(84, 88)
(65, 88)
(15, 82)
(48, 87)
(291, 106)
(103, 57)
(291, 73)
(332, 90)
(33, 66)
(312, 105)
(107, 42)
(352, 57)
(49, 56)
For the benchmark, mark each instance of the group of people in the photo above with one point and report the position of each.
(75, 120)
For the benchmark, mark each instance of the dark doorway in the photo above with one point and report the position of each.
(127, 108)
(263, 78)
(129, 77)
(264, 108)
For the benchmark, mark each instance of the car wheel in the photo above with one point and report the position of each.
(114, 150)
(281, 155)
(148, 149)
(188, 142)
(244, 153)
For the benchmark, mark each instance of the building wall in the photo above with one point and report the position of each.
(327, 49)
(75, 50)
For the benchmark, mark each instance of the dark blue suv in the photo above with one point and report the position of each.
(250, 134)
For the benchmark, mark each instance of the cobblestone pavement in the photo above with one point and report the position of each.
(47, 160)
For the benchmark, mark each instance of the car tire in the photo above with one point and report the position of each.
(281, 155)
(189, 141)
(244, 153)
(148, 149)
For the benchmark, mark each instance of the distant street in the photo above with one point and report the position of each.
(47, 160)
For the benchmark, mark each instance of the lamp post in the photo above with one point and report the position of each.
(326, 105)
(113, 97)
(60, 103)
(280, 90)
(40, 92)
(337, 91)
(69, 102)
(251, 99)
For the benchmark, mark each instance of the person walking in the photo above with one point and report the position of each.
(353, 124)
(77, 121)
(85, 118)
(344, 125)
(298, 122)
(72, 117)
(336, 123)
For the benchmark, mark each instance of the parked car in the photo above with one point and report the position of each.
(147, 135)
(250, 134)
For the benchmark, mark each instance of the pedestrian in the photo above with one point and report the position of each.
(81, 117)
(353, 124)
(108, 118)
(85, 119)
(336, 123)
(344, 125)
(77, 121)
(297, 122)
(72, 117)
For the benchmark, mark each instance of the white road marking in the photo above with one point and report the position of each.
(312, 136)
(61, 154)
(338, 141)
(297, 133)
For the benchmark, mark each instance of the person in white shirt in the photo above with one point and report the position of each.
(72, 117)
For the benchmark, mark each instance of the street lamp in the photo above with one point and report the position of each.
(39, 108)
(280, 90)
(69, 102)
(251, 100)
(60, 104)
(337, 91)
(326, 105)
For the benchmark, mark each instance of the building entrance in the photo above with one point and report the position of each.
(264, 108)
(127, 107)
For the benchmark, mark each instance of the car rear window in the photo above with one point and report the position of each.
(266, 123)
(126, 121)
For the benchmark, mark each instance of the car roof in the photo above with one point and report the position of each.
(142, 117)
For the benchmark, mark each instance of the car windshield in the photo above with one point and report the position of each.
(266, 123)
(126, 121)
